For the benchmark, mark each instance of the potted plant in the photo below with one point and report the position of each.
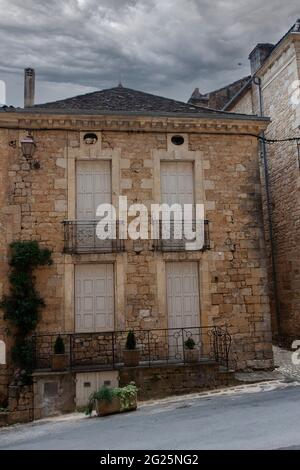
(108, 401)
(131, 354)
(191, 353)
(59, 359)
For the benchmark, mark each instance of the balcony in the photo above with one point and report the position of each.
(80, 237)
(104, 350)
(172, 236)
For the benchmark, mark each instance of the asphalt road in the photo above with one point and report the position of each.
(261, 420)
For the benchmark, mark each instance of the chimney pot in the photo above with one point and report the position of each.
(29, 87)
(259, 55)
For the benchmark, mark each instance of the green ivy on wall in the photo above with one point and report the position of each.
(23, 303)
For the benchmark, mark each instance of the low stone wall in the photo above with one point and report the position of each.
(166, 380)
(20, 404)
(4, 418)
(54, 393)
(4, 382)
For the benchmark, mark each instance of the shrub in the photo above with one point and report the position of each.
(189, 343)
(126, 395)
(59, 346)
(130, 341)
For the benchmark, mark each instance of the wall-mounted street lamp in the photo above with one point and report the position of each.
(28, 147)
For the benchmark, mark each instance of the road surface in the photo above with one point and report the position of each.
(253, 417)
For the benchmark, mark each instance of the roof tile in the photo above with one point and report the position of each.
(124, 99)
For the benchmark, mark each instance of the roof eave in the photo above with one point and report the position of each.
(87, 112)
(293, 35)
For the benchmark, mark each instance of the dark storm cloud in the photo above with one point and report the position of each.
(161, 46)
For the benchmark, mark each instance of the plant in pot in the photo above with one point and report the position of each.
(191, 353)
(113, 400)
(103, 401)
(131, 354)
(59, 358)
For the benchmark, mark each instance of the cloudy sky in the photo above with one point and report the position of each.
(167, 47)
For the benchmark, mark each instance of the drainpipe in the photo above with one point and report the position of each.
(257, 81)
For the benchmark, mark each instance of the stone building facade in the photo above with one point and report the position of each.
(278, 70)
(132, 152)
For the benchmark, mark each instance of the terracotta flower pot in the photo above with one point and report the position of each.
(59, 362)
(131, 357)
(104, 407)
(191, 355)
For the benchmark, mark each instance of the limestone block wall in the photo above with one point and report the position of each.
(278, 89)
(280, 84)
(232, 275)
(9, 220)
(33, 204)
(20, 404)
(159, 382)
(237, 263)
(245, 104)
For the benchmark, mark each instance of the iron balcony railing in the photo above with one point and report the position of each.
(104, 350)
(182, 236)
(80, 236)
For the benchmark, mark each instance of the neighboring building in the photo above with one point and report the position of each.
(278, 70)
(217, 99)
(92, 149)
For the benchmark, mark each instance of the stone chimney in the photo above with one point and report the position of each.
(198, 99)
(259, 55)
(29, 87)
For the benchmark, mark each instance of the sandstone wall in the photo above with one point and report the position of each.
(160, 382)
(20, 404)
(280, 78)
(233, 277)
(244, 104)
(277, 88)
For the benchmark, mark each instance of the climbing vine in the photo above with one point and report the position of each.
(23, 303)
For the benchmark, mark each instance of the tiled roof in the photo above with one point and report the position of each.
(120, 99)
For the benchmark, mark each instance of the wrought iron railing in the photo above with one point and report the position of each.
(104, 350)
(80, 236)
(174, 235)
